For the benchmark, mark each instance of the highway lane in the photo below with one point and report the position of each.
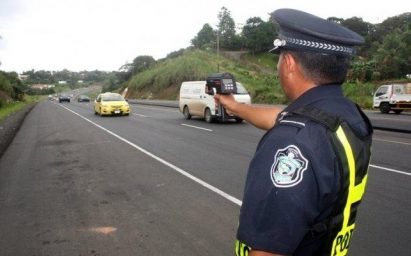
(390, 150)
(390, 153)
(219, 154)
(68, 187)
(392, 121)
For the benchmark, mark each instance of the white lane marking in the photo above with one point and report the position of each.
(177, 169)
(390, 170)
(140, 115)
(392, 141)
(197, 127)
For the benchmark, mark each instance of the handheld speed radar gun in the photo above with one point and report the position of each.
(221, 83)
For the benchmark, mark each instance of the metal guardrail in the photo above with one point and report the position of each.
(161, 103)
(390, 129)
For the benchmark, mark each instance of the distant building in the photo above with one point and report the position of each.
(62, 82)
(41, 86)
(80, 81)
(23, 77)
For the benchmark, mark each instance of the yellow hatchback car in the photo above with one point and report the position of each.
(111, 104)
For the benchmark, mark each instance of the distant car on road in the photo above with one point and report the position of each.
(83, 98)
(63, 98)
(111, 104)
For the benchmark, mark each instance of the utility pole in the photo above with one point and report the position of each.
(218, 51)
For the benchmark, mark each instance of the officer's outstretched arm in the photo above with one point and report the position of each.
(261, 117)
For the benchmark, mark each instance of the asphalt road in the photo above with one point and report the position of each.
(73, 183)
(391, 121)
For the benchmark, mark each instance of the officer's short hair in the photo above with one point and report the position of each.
(322, 68)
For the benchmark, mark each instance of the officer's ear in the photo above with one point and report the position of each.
(289, 62)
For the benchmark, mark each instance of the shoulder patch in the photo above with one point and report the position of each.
(288, 167)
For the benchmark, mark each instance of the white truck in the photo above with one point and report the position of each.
(395, 97)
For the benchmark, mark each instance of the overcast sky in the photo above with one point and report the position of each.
(105, 34)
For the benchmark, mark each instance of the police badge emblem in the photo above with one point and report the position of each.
(288, 167)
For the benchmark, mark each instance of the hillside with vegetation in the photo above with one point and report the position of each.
(384, 58)
(257, 72)
(163, 80)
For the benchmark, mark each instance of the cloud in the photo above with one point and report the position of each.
(105, 34)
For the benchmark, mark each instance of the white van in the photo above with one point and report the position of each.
(194, 101)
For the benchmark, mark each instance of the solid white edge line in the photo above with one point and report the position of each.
(177, 169)
(390, 170)
(197, 127)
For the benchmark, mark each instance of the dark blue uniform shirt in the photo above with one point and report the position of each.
(293, 180)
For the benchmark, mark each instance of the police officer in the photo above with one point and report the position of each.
(309, 171)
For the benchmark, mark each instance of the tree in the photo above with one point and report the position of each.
(402, 22)
(40, 76)
(5, 85)
(365, 29)
(11, 85)
(359, 26)
(226, 28)
(141, 63)
(336, 19)
(15, 81)
(393, 56)
(111, 84)
(205, 38)
(258, 35)
(251, 34)
(175, 54)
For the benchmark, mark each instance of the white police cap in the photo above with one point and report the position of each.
(301, 31)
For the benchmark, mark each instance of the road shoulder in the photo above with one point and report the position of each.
(10, 126)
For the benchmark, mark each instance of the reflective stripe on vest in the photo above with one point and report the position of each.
(342, 240)
(241, 249)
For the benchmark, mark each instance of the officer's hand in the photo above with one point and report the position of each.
(228, 102)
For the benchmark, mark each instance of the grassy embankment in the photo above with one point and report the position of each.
(12, 107)
(164, 79)
(256, 72)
